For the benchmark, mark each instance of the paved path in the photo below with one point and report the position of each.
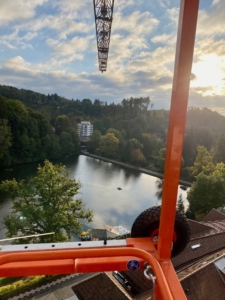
(142, 170)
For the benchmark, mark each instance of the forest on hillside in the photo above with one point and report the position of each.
(27, 135)
(35, 127)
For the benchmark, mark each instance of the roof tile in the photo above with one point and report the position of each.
(209, 244)
(214, 215)
(197, 227)
(204, 285)
(98, 287)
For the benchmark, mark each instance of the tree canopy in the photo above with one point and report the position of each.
(5, 137)
(180, 204)
(44, 127)
(218, 149)
(108, 145)
(203, 162)
(44, 204)
(94, 141)
(208, 191)
(27, 135)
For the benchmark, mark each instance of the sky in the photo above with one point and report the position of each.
(49, 46)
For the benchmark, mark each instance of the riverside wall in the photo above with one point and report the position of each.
(142, 170)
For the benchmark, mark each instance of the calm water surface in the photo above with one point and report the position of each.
(99, 190)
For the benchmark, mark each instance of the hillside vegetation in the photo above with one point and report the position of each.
(35, 126)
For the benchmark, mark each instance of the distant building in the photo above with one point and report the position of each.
(84, 128)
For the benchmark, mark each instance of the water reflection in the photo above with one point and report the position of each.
(110, 205)
(159, 187)
(181, 191)
(99, 190)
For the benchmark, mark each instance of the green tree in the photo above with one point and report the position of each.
(55, 147)
(45, 204)
(135, 144)
(120, 135)
(94, 140)
(75, 140)
(203, 162)
(47, 143)
(137, 157)
(150, 143)
(130, 146)
(66, 144)
(5, 137)
(87, 106)
(108, 145)
(180, 204)
(161, 159)
(218, 149)
(208, 191)
(62, 123)
(159, 186)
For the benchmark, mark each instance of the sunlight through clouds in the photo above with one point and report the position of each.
(50, 46)
(208, 73)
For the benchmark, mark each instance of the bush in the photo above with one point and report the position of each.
(23, 285)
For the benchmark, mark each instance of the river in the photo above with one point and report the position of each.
(99, 192)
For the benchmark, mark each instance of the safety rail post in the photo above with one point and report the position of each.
(178, 110)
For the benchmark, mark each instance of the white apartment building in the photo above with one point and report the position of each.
(84, 128)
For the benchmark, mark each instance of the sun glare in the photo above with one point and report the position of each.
(209, 75)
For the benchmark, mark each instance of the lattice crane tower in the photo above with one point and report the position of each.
(103, 10)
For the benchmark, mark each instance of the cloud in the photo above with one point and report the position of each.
(173, 14)
(43, 27)
(74, 46)
(215, 2)
(78, 9)
(52, 42)
(110, 86)
(7, 44)
(50, 46)
(124, 4)
(193, 76)
(124, 47)
(32, 76)
(164, 3)
(18, 10)
(196, 99)
(220, 110)
(208, 46)
(163, 39)
(13, 40)
(137, 22)
(63, 25)
(16, 63)
(212, 22)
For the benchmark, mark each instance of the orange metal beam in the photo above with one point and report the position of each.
(172, 280)
(102, 259)
(104, 264)
(31, 268)
(181, 81)
(69, 261)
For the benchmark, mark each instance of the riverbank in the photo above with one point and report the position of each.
(142, 170)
